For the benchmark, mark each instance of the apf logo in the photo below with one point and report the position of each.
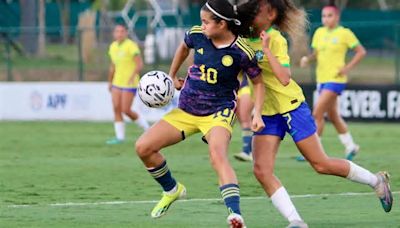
(56, 101)
(36, 101)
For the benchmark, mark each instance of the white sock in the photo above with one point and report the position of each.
(347, 140)
(141, 122)
(173, 190)
(360, 175)
(119, 128)
(283, 203)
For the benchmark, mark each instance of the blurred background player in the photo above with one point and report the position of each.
(330, 44)
(207, 102)
(243, 112)
(285, 110)
(123, 79)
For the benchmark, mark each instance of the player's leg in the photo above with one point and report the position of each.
(148, 146)
(303, 131)
(324, 102)
(218, 140)
(265, 148)
(244, 109)
(341, 127)
(218, 129)
(119, 125)
(312, 149)
(127, 100)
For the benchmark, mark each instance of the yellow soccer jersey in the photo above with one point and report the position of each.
(278, 99)
(122, 56)
(331, 47)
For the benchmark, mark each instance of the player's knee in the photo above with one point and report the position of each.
(117, 109)
(143, 148)
(125, 110)
(262, 172)
(317, 115)
(217, 156)
(321, 167)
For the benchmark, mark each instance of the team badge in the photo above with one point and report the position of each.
(227, 60)
(259, 55)
(200, 51)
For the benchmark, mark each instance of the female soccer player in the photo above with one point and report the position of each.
(207, 101)
(330, 44)
(123, 79)
(244, 109)
(285, 110)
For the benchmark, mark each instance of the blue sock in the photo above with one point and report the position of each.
(163, 176)
(230, 195)
(247, 135)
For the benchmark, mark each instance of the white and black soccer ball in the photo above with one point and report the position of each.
(156, 89)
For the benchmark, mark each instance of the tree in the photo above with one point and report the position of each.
(29, 38)
(42, 28)
(64, 7)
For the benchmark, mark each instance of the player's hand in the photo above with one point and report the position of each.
(343, 71)
(304, 61)
(178, 83)
(109, 86)
(265, 38)
(257, 124)
(131, 80)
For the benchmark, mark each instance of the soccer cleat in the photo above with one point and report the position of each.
(300, 158)
(297, 224)
(235, 221)
(242, 156)
(162, 206)
(114, 141)
(352, 152)
(383, 192)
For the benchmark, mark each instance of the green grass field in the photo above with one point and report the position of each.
(61, 174)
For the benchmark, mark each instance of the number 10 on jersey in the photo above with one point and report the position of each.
(208, 75)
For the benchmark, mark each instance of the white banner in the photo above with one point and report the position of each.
(65, 101)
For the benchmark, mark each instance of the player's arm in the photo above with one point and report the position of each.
(305, 60)
(180, 55)
(259, 94)
(111, 71)
(360, 53)
(281, 72)
(139, 67)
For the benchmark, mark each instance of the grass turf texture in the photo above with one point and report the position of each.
(42, 163)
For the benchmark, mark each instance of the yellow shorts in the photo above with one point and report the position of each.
(190, 124)
(244, 90)
(123, 82)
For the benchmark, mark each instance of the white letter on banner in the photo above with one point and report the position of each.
(345, 104)
(393, 104)
(375, 105)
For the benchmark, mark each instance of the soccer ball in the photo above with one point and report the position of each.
(156, 89)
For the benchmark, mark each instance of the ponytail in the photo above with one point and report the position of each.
(290, 19)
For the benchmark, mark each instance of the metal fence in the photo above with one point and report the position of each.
(83, 55)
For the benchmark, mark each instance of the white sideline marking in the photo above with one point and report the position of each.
(72, 204)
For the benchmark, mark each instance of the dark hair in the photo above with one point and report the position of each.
(289, 19)
(121, 25)
(333, 6)
(239, 17)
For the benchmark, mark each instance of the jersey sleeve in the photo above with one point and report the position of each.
(134, 49)
(189, 36)
(315, 39)
(250, 66)
(351, 39)
(280, 50)
(109, 53)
